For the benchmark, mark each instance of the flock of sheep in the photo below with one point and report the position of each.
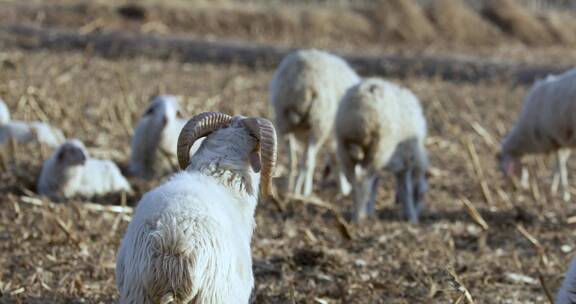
(189, 239)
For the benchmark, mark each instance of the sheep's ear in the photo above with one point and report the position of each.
(255, 162)
(149, 111)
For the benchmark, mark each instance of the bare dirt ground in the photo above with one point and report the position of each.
(303, 252)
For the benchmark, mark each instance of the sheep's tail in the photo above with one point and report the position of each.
(567, 292)
(171, 264)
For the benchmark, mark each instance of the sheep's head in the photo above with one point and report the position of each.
(263, 155)
(165, 107)
(510, 165)
(71, 153)
(4, 113)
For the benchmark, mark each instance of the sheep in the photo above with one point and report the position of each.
(546, 124)
(305, 92)
(381, 125)
(189, 239)
(70, 172)
(153, 149)
(25, 132)
(567, 292)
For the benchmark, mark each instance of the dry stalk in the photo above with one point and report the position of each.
(459, 286)
(537, 245)
(490, 141)
(474, 214)
(344, 228)
(479, 172)
(85, 205)
(545, 288)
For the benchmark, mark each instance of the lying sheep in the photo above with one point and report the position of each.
(305, 92)
(380, 124)
(153, 148)
(546, 124)
(71, 172)
(24, 132)
(189, 239)
(567, 292)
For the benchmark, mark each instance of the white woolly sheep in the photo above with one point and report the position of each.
(71, 172)
(567, 292)
(189, 239)
(546, 124)
(381, 125)
(305, 92)
(153, 150)
(24, 132)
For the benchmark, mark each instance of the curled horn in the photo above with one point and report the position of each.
(198, 126)
(264, 131)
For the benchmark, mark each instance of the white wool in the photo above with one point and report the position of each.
(24, 132)
(546, 122)
(381, 125)
(73, 173)
(305, 92)
(189, 239)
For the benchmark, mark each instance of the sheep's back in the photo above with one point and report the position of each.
(546, 121)
(185, 241)
(310, 84)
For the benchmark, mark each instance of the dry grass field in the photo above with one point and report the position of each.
(304, 251)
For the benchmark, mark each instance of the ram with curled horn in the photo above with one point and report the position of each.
(189, 240)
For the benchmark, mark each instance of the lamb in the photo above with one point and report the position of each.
(25, 132)
(567, 292)
(546, 124)
(189, 239)
(305, 92)
(153, 148)
(71, 172)
(381, 125)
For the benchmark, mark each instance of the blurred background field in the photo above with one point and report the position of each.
(303, 251)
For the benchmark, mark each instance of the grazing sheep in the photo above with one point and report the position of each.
(546, 124)
(567, 292)
(305, 92)
(154, 142)
(380, 124)
(71, 172)
(189, 239)
(24, 132)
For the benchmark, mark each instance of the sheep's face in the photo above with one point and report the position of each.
(71, 153)
(510, 165)
(4, 113)
(165, 106)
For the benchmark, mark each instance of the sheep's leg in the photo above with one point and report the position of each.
(371, 206)
(306, 175)
(420, 190)
(343, 183)
(363, 193)
(292, 170)
(405, 195)
(563, 156)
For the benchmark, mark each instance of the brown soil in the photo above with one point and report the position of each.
(66, 253)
